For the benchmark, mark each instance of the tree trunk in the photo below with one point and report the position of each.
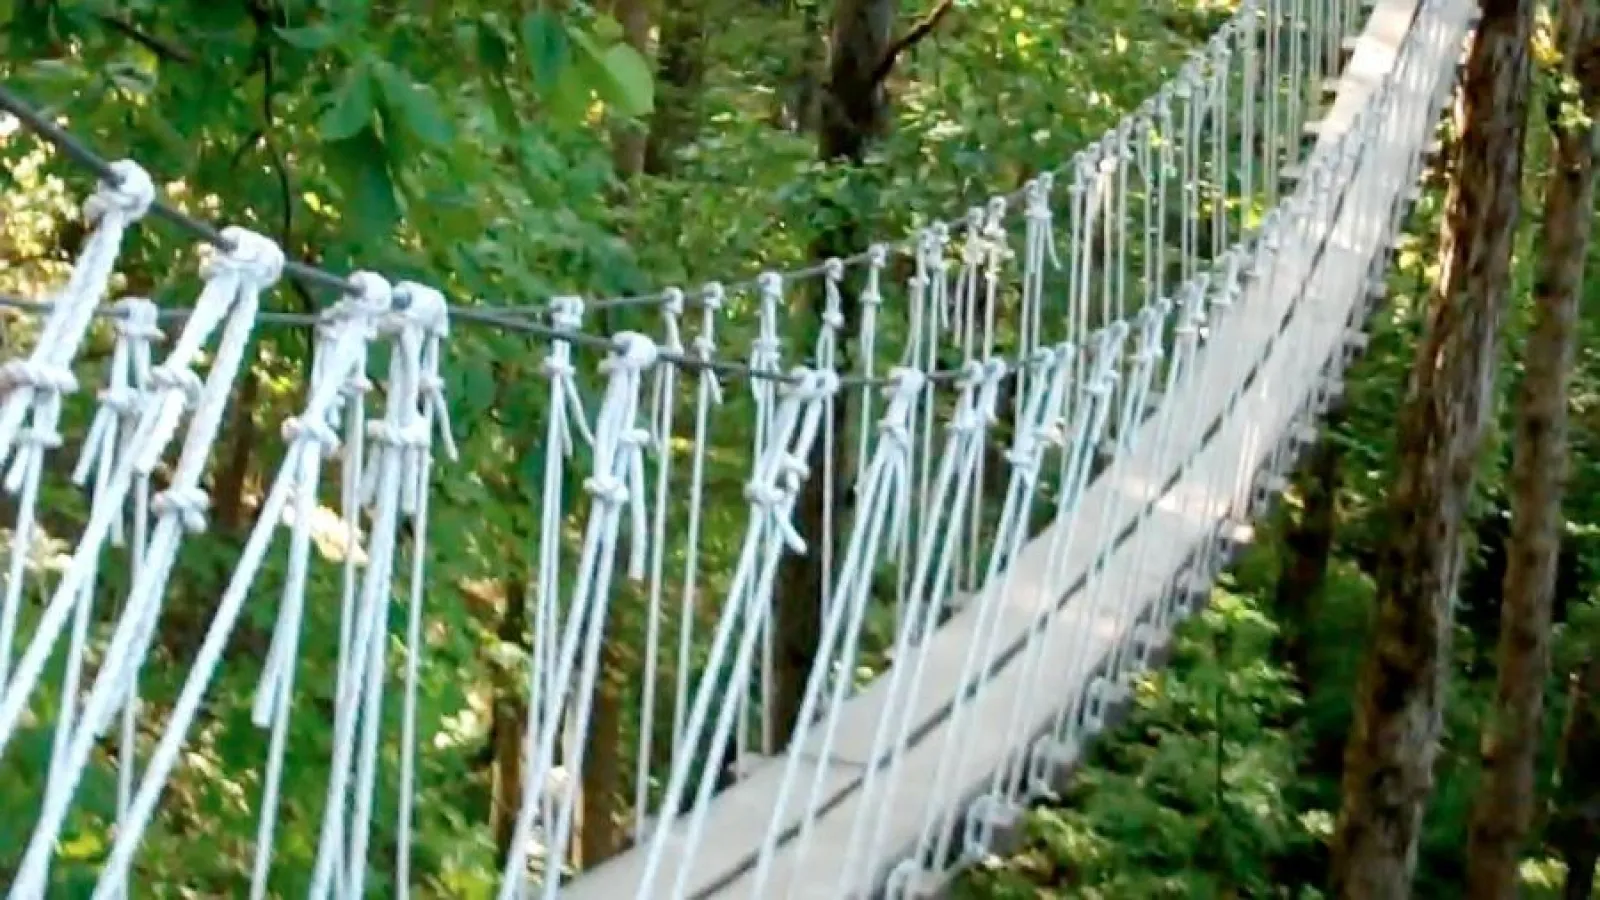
(1308, 543)
(1503, 809)
(679, 72)
(1389, 758)
(509, 720)
(1575, 825)
(854, 112)
(602, 834)
(629, 139)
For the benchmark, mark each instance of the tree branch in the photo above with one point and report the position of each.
(162, 48)
(922, 29)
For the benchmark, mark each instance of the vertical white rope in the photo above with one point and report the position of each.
(766, 357)
(708, 393)
(427, 306)
(663, 404)
(935, 567)
(871, 298)
(341, 846)
(617, 480)
(827, 354)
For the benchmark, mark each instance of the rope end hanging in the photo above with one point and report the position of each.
(428, 307)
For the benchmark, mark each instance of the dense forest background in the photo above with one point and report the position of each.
(516, 150)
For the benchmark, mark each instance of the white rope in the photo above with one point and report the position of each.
(427, 306)
(662, 406)
(708, 393)
(32, 389)
(234, 281)
(771, 493)
(109, 441)
(618, 478)
(885, 494)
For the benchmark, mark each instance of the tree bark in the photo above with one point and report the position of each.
(1389, 758)
(1575, 826)
(629, 139)
(854, 114)
(1504, 806)
(680, 69)
(509, 720)
(1308, 543)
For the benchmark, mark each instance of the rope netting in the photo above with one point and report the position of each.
(973, 509)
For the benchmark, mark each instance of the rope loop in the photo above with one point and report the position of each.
(566, 313)
(130, 196)
(136, 319)
(252, 256)
(188, 504)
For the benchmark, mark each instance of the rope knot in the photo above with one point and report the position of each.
(833, 319)
(43, 377)
(372, 295)
(607, 489)
(713, 295)
(632, 352)
(566, 313)
(1038, 205)
(877, 256)
(42, 435)
(771, 286)
(131, 194)
(314, 429)
(833, 269)
(250, 255)
(672, 302)
(763, 494)
(171, 377)
(556, 369)
(189, 504)
(121, 400)
(136, 319)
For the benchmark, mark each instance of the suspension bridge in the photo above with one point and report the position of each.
(1051, 437)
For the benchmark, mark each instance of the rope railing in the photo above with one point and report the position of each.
(992, 523)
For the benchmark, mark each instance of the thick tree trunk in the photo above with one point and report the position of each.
(1504, 807)
(1308, 544)
(854, 113)
(1575, 825)
(1389, 758)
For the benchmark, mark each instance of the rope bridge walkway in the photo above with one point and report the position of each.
(976, 513)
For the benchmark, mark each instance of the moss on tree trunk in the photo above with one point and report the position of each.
(1504, 807)
(1389, 758)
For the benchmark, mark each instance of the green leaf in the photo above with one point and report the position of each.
(547, 47)
(631, 76)
(414, 105)
(360, 165)
(350, 106)
(311, 37)
(618, 73)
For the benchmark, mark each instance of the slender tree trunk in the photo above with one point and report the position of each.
(603, 834)
(679, 72)
(1575, 826)
(854, 112)
(509, 720)
(1503, 809)
(1389, 758)
(1308, 543)
(629, 139)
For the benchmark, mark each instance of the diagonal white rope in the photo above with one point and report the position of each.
(771, 494)
(618, 477)
(234, 281)
(31, 389)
